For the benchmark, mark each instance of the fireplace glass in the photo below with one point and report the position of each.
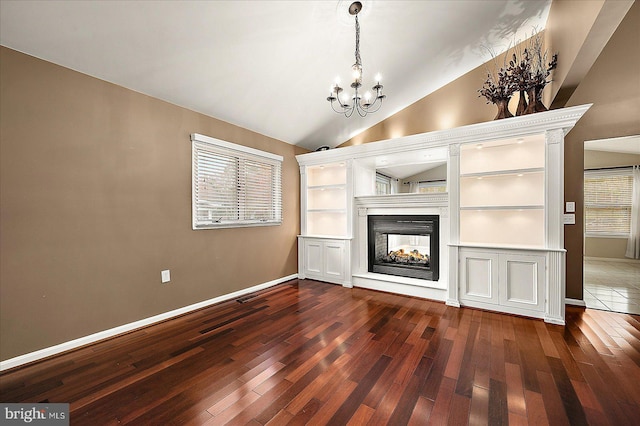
(406, 250)
(404, 246)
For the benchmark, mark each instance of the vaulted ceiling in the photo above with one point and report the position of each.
(268, 65)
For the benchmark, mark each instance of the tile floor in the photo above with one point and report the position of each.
(612, 286)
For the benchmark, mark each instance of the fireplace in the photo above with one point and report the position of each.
(406, 246)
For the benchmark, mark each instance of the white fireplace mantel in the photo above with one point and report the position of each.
(403, 200)
(401, 204)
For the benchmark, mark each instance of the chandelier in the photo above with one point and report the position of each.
(363, 107)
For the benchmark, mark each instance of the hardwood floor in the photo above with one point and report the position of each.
(306, 352)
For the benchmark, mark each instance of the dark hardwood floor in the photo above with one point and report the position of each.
(306, 352)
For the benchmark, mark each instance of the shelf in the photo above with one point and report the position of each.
(331, 197)
(323, 187)
(326, 175)
(520, 226)
(485, 208)
(490, 158)
(328, 222)
(508, 191)
(326, 210)
(506, 172)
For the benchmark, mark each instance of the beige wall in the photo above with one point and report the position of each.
(611, 84)
(613, 248)
(437, 173)
(95, 190)
(596, 159)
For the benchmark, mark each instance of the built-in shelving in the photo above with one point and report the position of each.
(502, 217)
(326, 200)
(324, 246)
(502, 191)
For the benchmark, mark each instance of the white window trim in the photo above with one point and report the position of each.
(606, 173)
(243, 151)
(386, 180)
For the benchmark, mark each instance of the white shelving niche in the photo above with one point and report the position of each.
(502, 192)
(326, 200)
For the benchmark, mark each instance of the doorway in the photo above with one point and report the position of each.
(611, 281)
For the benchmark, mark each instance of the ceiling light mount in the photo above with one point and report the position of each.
(355, 8)
(337, 93)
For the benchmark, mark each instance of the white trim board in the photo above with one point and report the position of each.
(101, 335)
(611, 259)
(574, 302)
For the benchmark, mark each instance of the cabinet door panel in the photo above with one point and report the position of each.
(334, 259)
(313, 261)
(479, 277)
(522, 281)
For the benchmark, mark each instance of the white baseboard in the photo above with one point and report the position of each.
(612, 259)
(380, 282)
(575, 302)
(101, 335)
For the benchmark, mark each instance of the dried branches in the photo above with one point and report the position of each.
(499, 84)
(528, 71)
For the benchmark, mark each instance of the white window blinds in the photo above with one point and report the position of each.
(607, 202)
(234, 185)
(433, 187)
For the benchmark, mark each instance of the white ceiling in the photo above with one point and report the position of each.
(268, 65)
(623, 145)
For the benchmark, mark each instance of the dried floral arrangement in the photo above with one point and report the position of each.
(527, 72)
(540, 70)
(498, 87)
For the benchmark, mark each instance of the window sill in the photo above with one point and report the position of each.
(621, 236)
(235, 225)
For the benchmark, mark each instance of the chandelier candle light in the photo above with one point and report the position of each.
(357, 104)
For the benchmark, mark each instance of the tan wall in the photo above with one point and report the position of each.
(566, 30)
(613, 248)
(95, 191)
(611, 84)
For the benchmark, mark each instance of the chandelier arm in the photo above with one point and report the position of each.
(349, 112)
(376, 104)
(333, 107)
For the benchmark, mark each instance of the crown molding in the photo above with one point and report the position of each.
(508, 128)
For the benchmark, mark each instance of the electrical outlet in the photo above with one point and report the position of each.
(166, 276)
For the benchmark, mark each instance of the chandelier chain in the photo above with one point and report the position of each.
(358, 60)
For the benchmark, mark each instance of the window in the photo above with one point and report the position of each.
(607, 202)
(234, 185)
(432, 187)
(383, 184)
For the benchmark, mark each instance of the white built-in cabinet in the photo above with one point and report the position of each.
(323, 259)
(504, 280)
(502, 224)
(324, 246)
(508, 236)
(504, 212)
